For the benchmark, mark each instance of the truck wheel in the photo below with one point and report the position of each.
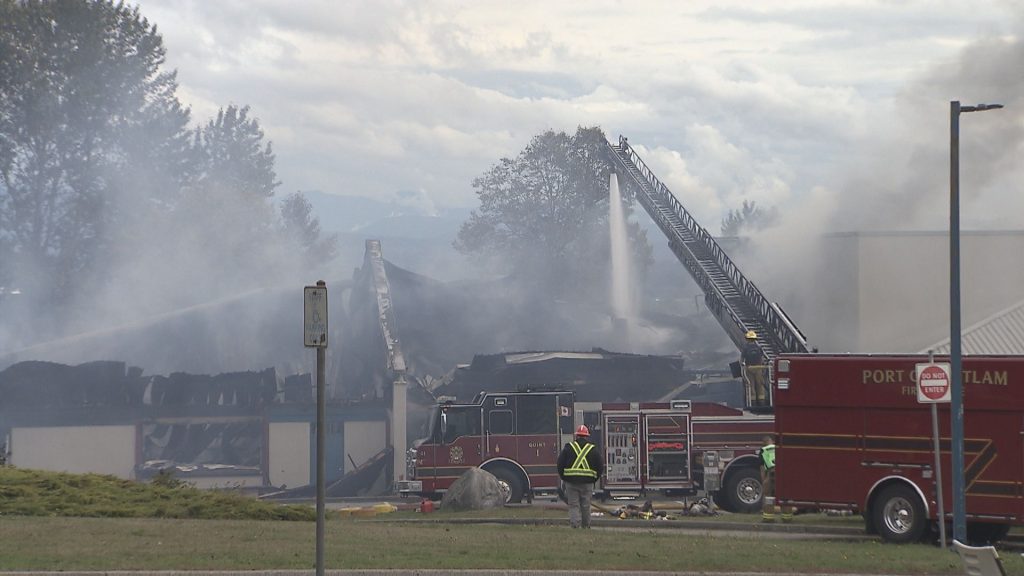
(898, 515)
(510, 483)
(742, 491)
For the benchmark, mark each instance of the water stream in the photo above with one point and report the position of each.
(623, 303)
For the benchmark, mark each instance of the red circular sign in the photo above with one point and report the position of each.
(933, 382)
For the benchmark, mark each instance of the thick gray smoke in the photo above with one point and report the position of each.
(897, 182)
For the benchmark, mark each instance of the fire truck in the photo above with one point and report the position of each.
(675, 448)
(680, 447)
(852, 436)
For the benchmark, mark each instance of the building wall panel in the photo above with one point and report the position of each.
(75, 449)
(363, 440)
(290, 452)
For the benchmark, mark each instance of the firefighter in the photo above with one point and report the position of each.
(768, 507)
(754, 370)
(579, 467)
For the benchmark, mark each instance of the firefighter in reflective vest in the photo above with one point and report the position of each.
(768, 507)
(579, 467)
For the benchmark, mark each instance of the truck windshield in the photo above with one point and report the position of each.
(434, 434)
(460, 421)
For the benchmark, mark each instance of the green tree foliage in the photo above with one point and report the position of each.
(229, 201)
(301, 227)
(232, 157)
(234, 174)
(749, 218)
(84, 108)
(543, 215)
(106, 193)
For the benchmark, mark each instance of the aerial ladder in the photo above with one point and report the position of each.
(374, 259)
(746, 315)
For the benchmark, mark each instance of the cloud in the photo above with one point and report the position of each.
(374, 97)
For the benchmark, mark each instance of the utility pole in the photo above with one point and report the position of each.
(315, 336)
(956, 408)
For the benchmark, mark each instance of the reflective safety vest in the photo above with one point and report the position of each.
(768, 456)
(580, 467)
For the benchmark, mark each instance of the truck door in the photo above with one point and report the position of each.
(499, 428)
(565, 419)
(460, 447)
(1020, 469)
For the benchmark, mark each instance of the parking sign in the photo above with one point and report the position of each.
(314, 311)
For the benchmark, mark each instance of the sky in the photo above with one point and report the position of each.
(836, 114)
(809, 107)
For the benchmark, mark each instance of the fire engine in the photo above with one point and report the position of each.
(852, 436)
(679, 447)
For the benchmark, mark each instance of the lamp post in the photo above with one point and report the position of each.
(956, 408)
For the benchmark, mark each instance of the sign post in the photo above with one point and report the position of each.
(314, 327)
(933, 383)
(933, 387)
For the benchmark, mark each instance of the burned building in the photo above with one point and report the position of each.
(232, 430)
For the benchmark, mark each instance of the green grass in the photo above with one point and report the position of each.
(37, 493)
(165, 544)
(68, 522)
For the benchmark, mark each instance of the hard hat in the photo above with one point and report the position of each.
(751, 335)
(583, 430)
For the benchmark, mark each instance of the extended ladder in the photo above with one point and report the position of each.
(733, 299)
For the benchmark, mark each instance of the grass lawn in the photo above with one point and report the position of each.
(70, 522)
(64, 543)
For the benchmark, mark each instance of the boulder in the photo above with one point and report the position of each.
(475, 490)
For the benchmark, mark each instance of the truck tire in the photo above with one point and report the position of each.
(511, 484)
(742, 491)
(898, 515)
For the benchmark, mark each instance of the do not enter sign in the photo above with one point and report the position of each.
(933, 383)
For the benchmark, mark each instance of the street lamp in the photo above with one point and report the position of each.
(956, 408)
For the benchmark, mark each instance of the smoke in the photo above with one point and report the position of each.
(204, 294)
(897, 180)
(900, 179)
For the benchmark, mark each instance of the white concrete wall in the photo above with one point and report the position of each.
(75, 449)
(888, 292)
(363, 440)
(289, 449)
(903, 292)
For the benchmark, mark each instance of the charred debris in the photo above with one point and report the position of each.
(200, 425)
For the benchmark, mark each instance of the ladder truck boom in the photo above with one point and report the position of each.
(733, 299)
(374, 258)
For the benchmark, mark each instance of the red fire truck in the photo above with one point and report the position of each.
(852, 435)
(678, 447)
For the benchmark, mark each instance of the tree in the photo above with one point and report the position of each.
(84, 110)
(543, 215)
(748, 218)
(233, 157)
(227, 209)
(299, 225)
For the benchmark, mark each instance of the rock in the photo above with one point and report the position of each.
(475, 490)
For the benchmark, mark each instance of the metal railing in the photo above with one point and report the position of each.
(702, 255)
